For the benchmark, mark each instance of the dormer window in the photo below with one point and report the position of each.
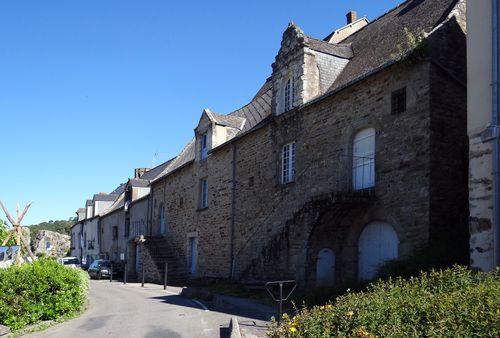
(288, 93)
(204, 146)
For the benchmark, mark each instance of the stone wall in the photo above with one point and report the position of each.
(323, 133)
(112, 248)
(180, 192)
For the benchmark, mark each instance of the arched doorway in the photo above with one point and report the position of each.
(325, 268)
(363, 161)
(377, 244)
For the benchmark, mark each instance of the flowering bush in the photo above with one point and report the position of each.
(454, 302)
(43, 290)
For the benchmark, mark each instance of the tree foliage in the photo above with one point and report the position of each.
(61, 226)
(4, 232)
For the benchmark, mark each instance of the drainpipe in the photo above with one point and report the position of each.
(233, 200)
(496, 125)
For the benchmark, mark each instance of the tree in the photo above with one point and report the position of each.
(4, 232)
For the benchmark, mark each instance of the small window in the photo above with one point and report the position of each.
(115, 232)
(181, 202)
(251, 181)
(288, 163)
(288, 93)
(203, 194)
(204, 146)
(398, 101)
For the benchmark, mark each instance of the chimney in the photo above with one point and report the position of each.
(140, 171)
(351, 17)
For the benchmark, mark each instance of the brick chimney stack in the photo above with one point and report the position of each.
(351, 17)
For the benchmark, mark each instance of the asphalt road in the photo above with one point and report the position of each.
(117, 310)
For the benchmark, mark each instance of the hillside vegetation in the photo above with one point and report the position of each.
(61, 226)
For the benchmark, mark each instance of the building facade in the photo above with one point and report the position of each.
(482, 106)
(352, 153)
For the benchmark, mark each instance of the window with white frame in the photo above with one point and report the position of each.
(203, 193)
(288, 163)
(288, 94)
(204, 146)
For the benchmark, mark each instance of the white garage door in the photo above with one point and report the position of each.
(325, 268)
(378, 243)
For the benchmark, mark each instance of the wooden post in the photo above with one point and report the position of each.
(17, 231)
(125, 274)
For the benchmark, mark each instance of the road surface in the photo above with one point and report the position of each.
(117, 310)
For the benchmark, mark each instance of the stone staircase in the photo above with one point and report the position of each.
(271, 257)
(159, 250)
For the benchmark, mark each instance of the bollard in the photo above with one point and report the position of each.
(165, 277)
(125, 274)
(142, 284)
(110, 273)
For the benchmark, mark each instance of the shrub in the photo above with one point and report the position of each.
(43, 290)
(455, 302)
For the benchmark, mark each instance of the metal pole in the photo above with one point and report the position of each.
(111, 273)
(125, 274)
(142, 272)
(281, 303)
(165, 277)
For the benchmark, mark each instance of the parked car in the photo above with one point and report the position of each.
(72, 262)
(100, 268)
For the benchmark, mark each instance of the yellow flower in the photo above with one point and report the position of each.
(329, 306)
(293, 330)
(350, 313)
(284, 316)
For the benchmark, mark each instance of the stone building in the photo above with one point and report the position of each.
(484, 137)
(353, 153)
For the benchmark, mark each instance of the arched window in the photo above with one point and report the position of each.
(162, 219)
(325, 268)
(377, 244)
(363, 162)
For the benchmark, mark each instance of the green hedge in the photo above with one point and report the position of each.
(454, 302)
(44, 290)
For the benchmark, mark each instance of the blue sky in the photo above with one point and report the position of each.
(90, 90)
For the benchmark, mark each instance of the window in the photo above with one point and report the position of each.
(203, 194)
(204, 146)
(181, 202)
(288, 93)
(115, 233)
(363, 159)
(288, 163)
(398, 101)
(162, 220)
(251, 181)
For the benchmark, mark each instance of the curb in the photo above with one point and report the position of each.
(234, 328)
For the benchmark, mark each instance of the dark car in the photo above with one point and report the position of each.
(100, 268)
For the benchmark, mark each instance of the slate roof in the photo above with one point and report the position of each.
(81, 210)
(154, 172)
(340, 50)
(232, 121)
(105, 197)
(252, 113)
(377, 43)
(120, 189)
